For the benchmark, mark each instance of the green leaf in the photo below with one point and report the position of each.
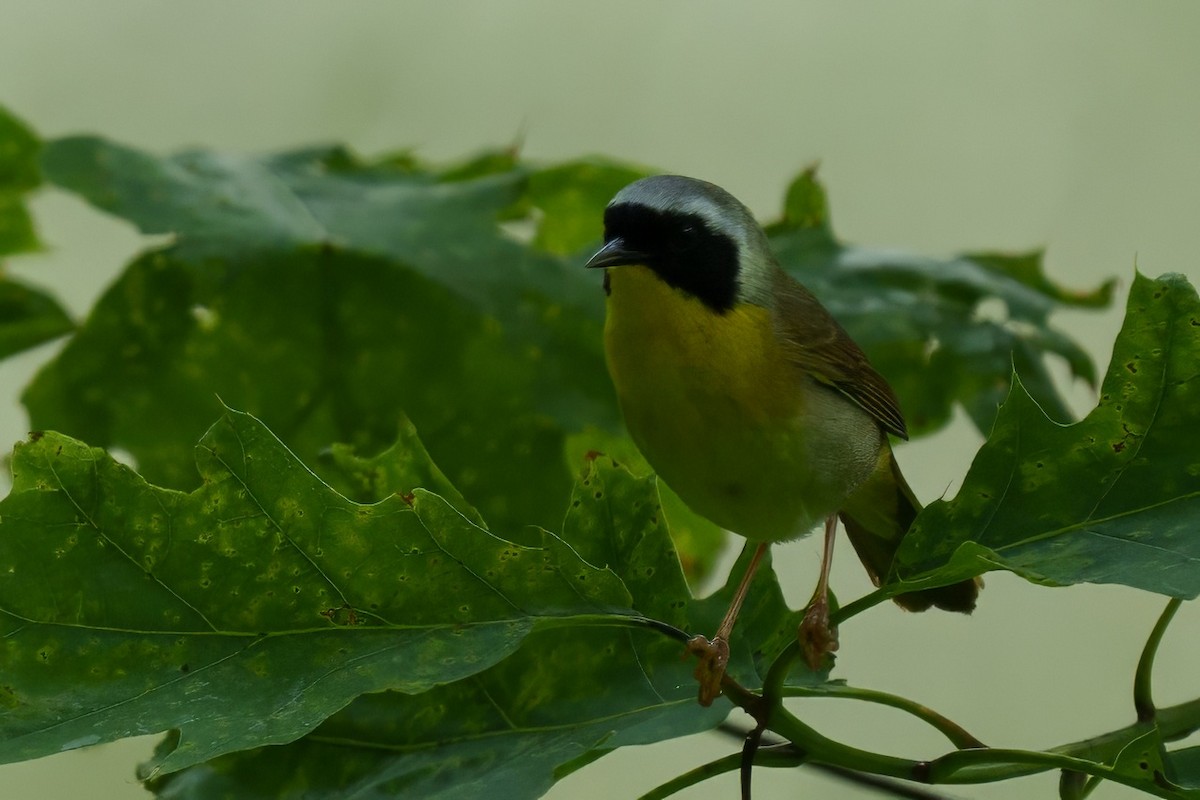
(364, 290)
(253, 609)
(1146, 760)
(19, 150)
(442, 225)
(248, 611)
(805, 205)
(572, 198)
(1114, 498)
(1183, 767)
(324, 346)
(396, 471)
(698, 542)
(926, 322)
(1142, 758)
(28, 317)
(499, 735)
(567, 696)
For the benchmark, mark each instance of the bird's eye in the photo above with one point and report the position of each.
(679, 242)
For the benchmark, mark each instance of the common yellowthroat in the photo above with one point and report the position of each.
(747, 397)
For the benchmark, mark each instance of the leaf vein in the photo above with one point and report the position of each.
(108, 539)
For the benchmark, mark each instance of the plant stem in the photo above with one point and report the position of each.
(693, 776)
(1143, 701)
(750, 750)
(879, 783)
(986, 765)
(821, 749)
(772, 691)
(1091, 785)
(765, 757)
(870, 600)
(947, 727)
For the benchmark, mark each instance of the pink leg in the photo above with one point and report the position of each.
(815, 634)
(714, 655)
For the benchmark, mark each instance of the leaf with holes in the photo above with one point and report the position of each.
(365, 291)
(394, 471)
(248, 611)
(350, 344)
(1114, 498)
(565, 698)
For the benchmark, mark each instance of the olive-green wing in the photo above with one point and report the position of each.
(819, 346)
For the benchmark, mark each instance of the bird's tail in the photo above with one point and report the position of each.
(876, 517)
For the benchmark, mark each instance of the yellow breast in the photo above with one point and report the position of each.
(719, 412)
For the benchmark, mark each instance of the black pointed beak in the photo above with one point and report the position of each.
(615, 253)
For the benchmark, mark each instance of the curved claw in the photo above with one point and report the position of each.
(713, 657)
(817, 637)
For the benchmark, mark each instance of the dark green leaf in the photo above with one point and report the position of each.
(1142, 758)
(324, 346)
(443, 226)
(572, 197)
(396, 471)
(566, 697)
(697, 541)
(19, 148)
(806, 206)
(256, 287)
(28, 317)
(1183, 767)
(16, 226)
(1112, 499)
(246, 612)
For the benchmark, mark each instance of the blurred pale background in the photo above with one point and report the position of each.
(940, 126)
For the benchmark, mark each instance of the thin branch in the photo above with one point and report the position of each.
(843, 613)
(885, 785)
(1143, 700)
(749, 751)
(957, 735)
(764, 757)
(987, 765)
(889, 786)
(694, 776)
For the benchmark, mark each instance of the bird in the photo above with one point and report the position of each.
(748, 398)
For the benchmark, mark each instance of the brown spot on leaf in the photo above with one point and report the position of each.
(344, 616)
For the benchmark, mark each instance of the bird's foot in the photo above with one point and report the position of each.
(712, 657)
(817, 636)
